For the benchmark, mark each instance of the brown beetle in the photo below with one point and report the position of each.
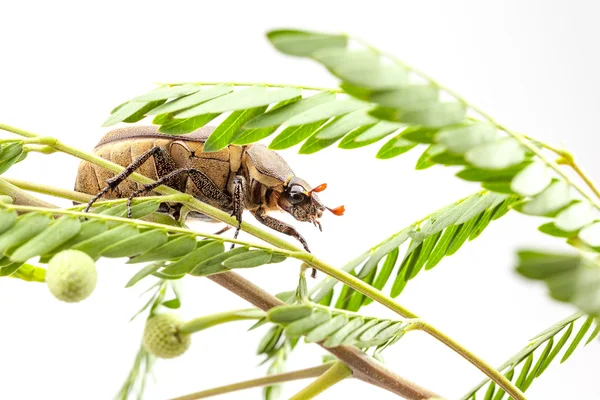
(235, 178)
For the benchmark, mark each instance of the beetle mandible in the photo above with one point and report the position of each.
(236, 178)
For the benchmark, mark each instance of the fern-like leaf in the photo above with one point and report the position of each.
(528, 364)
(420, 246)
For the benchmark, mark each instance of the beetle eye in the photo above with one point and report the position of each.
(296, 198)
(296, 195)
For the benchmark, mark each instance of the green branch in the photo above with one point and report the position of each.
(259, 382)
(337, 373)
(277, 85)
(292, 251)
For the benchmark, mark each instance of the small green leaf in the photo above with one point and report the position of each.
(252, 97)
(582, 331)
(250, 259)
(487, 175)
(552, 199)
(192, 100)
(58, 233)
(327, 110)
(168, 92)
(362, 68)
(335, 130)
(384, 273)
(441, 247)
(420, 134)
(338, 337)
(575, 217)
(323, 331)
(499, 154)
(248, 136)
(144, 272)
(95, 245)
(532, 180)
(214, 264)
(424, 161)
(224, 133)
(354, 335)
(434, 115)
(137, 244)
(174, 248)
(590, 235)
(281, 115)
(550, 229)
(406, 97)
(463, 138)
(7, 219)
(289, 313)
(304, 43)
(193, 259)
(394, 147)
(302, 326)
(182, 126)
(24, 229)
(293, 135)
(368, 134)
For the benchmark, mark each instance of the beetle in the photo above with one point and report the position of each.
(233, 179)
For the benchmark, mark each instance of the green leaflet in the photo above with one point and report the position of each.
(334, 130)
(252, 97)
(292, 135)
(462, 138)
(553, 198)
(177, 126)
(95, 245)
(190, 261)
(56, 234)
(136, 245)
(10, 154)
(333, 327)
(362, 68)
(144, 272)
(192, 100)
(7, 219)
(325, 111)
(214, 264)
(368, 134)
(24, 229)
(406, 97)
(534, 359)
(304, 43)
(433, 115)
(570, 278)
(225, 132)
(132, 111)
(498, 154)
(252, 259)
(168, 92)
(395, 146)
(281, 115)
(177, 246)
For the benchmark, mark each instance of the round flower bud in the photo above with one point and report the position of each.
(71, 275)
(162, 337)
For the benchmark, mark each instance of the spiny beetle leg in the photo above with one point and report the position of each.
(164, 164)
(279, 226)
(238, 204)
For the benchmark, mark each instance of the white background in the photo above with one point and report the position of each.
(533, 65)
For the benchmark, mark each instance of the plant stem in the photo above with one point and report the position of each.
(522, 139)
(277, 85)
(337, 373)
(264, 381)
(208, 321)
(364, 368)
(21, 197)
(487, 369)
(50, 190)
(571, 162)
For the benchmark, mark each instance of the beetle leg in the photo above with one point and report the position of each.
(238, 204)
(279, 226)
(164, 165)
(203, 182)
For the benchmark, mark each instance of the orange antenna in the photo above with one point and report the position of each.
(318, 189)
(337, 211)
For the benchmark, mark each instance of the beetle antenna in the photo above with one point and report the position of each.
(337, 211)
(318, 189)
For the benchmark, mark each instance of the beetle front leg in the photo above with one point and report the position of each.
(238, 201)
(279, 226)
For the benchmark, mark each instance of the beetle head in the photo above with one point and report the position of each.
(300, 200)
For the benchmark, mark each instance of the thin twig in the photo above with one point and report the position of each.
(259, 382)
